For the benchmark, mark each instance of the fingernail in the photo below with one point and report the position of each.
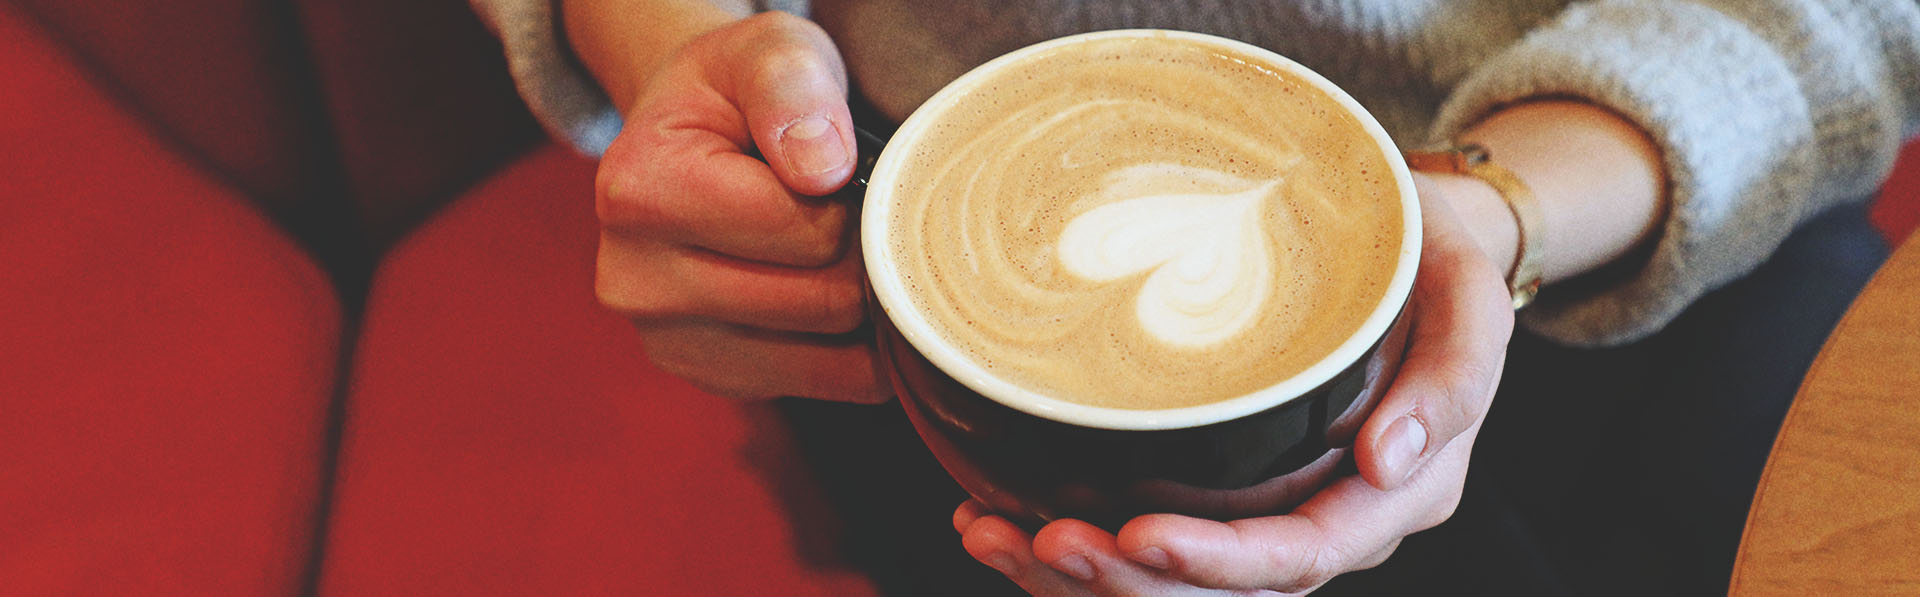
(1075, 565)
(1002, 562)
(1153, 556)
(1405, 440)
(812, 146)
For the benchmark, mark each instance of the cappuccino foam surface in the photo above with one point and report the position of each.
(1145, 223)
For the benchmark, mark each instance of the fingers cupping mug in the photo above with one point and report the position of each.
(1133, 271)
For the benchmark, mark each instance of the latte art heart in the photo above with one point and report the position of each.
(1143, 224)
(1211, 266)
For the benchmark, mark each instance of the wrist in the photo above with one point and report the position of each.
(1597, 179)
(622, 43)
(1481, 210)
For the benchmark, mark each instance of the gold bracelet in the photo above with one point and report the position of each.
(1472, 159)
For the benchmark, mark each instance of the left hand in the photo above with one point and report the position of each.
(1412, 455)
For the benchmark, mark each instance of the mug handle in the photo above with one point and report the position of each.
(867, 148)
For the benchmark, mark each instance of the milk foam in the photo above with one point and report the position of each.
(1211, 268)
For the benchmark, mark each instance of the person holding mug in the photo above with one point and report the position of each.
(1669, 148)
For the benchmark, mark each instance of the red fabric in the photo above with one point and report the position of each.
(504, 434)
(167, 360)
(1897, 211)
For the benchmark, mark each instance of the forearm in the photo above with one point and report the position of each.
(622, 42)
(1597, 178)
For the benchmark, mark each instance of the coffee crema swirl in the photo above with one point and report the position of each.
(1145, 223)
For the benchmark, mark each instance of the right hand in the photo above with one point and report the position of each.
(739, 276)
(1412, 458)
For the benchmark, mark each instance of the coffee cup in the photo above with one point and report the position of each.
(1140, 271)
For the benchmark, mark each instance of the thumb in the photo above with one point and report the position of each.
(1462, 319)
(794, 98)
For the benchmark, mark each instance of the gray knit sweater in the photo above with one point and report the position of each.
(1767, 111)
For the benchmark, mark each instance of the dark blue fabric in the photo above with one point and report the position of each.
(1629, 470)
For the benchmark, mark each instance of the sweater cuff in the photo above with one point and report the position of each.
(1726, 112)
(562, 95)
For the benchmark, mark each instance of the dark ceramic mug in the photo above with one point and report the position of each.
(1034, 458)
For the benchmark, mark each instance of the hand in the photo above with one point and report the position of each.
(1412, 455)
(739, 276)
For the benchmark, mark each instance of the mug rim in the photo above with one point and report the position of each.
(891, 292)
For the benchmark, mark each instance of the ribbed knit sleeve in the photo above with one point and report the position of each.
(1766, 113)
